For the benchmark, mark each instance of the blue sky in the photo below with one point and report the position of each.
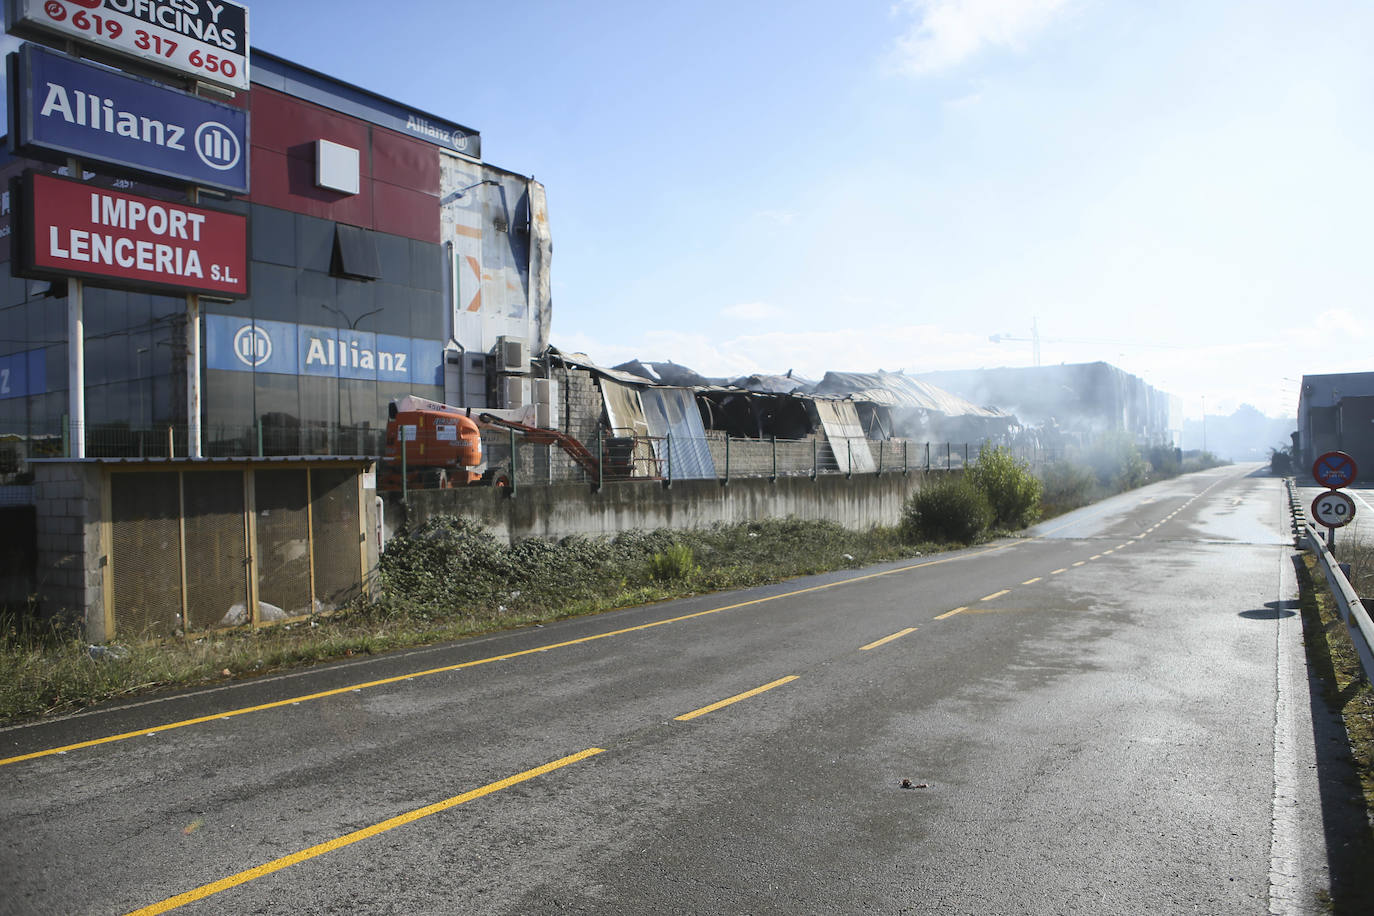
(1178, 187)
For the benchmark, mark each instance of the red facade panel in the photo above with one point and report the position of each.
(404, 162)
(399, 176)
(285, 124)
(288, 183)
(401, 211)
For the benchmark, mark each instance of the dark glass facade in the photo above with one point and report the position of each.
(295, 281)
(348, 289)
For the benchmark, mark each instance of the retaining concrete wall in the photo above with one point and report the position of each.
(71, 560)
(558, 510)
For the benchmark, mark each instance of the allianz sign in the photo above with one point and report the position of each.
(67, 107)
(285, 348)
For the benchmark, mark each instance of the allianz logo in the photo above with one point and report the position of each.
(214, 144)
(253, 347)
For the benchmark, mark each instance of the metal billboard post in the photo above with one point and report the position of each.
(76, 353)
(193, 449)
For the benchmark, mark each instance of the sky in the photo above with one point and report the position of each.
(1181, 188)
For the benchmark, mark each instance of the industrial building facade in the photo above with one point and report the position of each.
(1336, 413)
(385, 259)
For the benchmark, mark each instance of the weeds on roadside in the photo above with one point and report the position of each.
(672, 564)
(447, 579)
(1335, 662)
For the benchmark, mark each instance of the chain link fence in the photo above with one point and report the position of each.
(510, 458)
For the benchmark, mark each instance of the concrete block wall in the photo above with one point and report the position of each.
(857, 502)
(580, 416)
(68, 498)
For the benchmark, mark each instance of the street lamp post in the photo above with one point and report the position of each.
(1204, 424)
(338, 381)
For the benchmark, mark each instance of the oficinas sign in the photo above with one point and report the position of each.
(203, 39)
(124, 240)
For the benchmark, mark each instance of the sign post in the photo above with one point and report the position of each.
(76, 356)
(1333, 508)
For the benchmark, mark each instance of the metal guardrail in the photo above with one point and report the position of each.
(1353, 614)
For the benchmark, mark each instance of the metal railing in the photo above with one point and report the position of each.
(518, 461)
(515, 462)
(1357, 621)
(1353, 614)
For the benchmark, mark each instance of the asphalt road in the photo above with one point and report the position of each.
(1111, 715)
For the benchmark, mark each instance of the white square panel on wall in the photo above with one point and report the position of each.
(337, 167)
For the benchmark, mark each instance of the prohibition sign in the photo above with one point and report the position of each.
(1333, 509)
(1334, 470)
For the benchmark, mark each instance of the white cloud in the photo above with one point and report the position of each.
(948, 32)
(752, 311)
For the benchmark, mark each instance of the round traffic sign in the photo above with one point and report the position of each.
(1334, 470)
(1333, 509)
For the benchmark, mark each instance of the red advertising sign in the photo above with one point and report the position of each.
(71, 228)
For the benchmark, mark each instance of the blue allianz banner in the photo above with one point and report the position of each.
(280, 347)
(23, 374)
(63, 106)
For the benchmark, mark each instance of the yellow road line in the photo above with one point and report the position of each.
(995, 595)
(1106, 552)
(1032, 581)
(886, 639)
(353, 688)
(1079, 563)
(1096, 556)
(295, 858)
(1055, 572)
(957, 610)
(735, 699)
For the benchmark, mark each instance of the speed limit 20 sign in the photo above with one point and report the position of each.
(1333, 509)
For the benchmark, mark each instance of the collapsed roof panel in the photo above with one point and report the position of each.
(846, 436)
(669, 373)
(896, 389)
(679, 437)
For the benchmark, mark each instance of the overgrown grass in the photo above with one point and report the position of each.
(1112, 464)
(1333, 658)
(446, 580)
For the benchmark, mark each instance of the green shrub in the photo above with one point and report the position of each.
(672, 564)
(1066, 486)
(1011, 489)
(447, 562)
(947, 509)
(1117, 462)
(1165, 461)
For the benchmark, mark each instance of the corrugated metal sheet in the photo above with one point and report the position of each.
(842, 428)
(496, 224)
(541, 254)
(773, 384)
(625, 413)
(672, 415)
(896, 389)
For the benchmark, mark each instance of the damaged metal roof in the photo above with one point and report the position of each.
(896, 389)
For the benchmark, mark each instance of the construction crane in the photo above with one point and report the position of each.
(1034, 341)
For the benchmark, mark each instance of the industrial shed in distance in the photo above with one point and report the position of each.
(1336, 413)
